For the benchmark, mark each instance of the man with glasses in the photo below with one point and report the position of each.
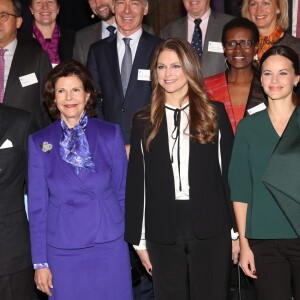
(201, 26)
(23, 68)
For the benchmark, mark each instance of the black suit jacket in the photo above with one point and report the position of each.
(15, 126)
(104, 66)
(212, 212)
(28, 59)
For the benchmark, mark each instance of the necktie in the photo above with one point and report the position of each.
(197, 38)
(2, 67)
(126, 65)
(298, 21)
(111, 30)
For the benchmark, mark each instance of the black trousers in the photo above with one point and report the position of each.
(17, 286)
(277, 265)
(191, 268)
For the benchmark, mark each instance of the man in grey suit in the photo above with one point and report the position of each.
(25, 66)
(212, 60)
(91, 34)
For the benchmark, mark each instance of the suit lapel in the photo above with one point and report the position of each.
(13, 82)
(97, 32)
(113, 63)
(212, 27)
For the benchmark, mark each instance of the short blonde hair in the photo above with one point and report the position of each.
(282, 17)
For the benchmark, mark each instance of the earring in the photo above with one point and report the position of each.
(92, 16)
(226, 64)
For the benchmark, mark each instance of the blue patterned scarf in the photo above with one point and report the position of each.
(74, 147)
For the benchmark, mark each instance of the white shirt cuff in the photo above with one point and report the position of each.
(141, 246)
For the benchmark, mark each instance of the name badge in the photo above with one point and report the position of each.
(215, 47)
(28, 79)
(256, 108)
(143, 75)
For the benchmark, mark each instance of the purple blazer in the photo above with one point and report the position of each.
(68, 211)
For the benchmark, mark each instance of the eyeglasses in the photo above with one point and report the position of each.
(244, 44)
(4, 16)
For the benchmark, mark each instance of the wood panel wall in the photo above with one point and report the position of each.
(163, 12)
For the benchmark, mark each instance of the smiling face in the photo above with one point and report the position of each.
(102, 9)
(196, 8)
(45, 12)
(171, 77)
(70, 98)
(129, 15)
(264, 14)
(278, 78)
(238, 57)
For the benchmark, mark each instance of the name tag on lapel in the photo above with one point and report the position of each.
(28, 79)
(256, 108)
(143, 75)
(215, 47)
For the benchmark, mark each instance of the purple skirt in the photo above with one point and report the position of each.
(99, 272)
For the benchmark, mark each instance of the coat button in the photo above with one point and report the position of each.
(124, 109)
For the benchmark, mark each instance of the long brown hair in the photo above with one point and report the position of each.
(202, 116)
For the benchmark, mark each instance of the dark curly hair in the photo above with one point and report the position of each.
(68, 68)
(240, 23)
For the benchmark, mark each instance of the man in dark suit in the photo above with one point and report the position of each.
(25, 67)
(16, 273)
(105, 62)
(212, 60)
(99, 31)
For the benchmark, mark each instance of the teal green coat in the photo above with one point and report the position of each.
(255, 142)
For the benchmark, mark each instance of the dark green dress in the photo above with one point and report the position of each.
(255, 141)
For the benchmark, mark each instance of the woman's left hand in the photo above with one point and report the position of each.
(235, 251)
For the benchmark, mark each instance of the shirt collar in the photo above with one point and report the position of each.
(11, 47)
(134, 37)
(205, 16)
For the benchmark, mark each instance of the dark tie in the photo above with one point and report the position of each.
(2, 67)
(126, 65)
(197, 38)
(111, 30)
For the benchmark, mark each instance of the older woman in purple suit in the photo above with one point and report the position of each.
(77, 172)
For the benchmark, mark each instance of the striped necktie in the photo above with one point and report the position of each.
(2, 67)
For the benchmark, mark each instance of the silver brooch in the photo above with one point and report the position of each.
(46, 147)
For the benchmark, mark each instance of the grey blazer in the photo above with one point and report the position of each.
(88, 36)
(212, 62)
(84, 38)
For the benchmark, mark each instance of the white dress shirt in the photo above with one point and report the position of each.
(135, 38)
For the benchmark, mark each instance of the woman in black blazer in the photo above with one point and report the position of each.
(45, 32)
(178, 213)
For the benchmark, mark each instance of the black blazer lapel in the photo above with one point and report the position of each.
(113, 62)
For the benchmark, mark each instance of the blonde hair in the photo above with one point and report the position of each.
(203, 115)
(282, 17)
